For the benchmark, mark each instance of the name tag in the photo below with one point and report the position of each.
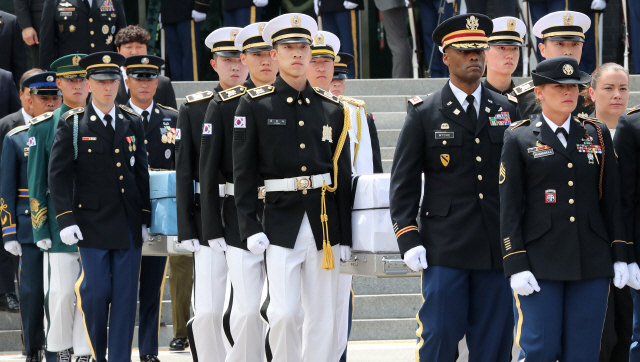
(66, 13)
(543, 153)
(276, 122)
(444, 135)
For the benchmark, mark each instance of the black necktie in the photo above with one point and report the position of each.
(87, 4)
(564, 133)
(108, 126)
(471, 109)
(145, 120)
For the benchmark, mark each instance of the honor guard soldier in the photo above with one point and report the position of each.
(562, 233)
(562, 34)
(504, 53)
(454, 136)
(79, 26)
(65, 332)
(159, 129)
(16, 215)
(220, 229)
(210, 267)
(294, 136)
(100, 150)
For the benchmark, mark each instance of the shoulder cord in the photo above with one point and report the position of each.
(601, 140)
(75, 137)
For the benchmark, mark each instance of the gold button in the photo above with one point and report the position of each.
(571, 201)
(570, 183)
(89, 150)
(304, 192)
(123, 191)
(118, 164)
(302, 146)
(299, 101)
(426, 213)
(572, 219)
(444, 142)
(91, 20)
(289, 100)
(481, 196)
(477, 140)
(145, 142)
(303, 168)
(480, 177)
(26, 211)
(479, 159)
(80, 206)
(91, 32)
(570, 165)
(93, 45)
(65, 18)
(117, 150)
(121, 177)
(301, 123)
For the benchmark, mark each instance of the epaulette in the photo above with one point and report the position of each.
(327, 95)
(523, 88)
(355, 102)
(415, 100)
(129, 110)
(167, 107)
(72, 112)
(40, 118)
(585, 117)
(260, 91)
(512, 98)
(231, 93)
(18, 130)
(518, 124)
(634, 110)
(199, 96)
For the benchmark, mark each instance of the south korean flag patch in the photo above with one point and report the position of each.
(240, 122)
(32, 141)
(206, 128)
(178, 134)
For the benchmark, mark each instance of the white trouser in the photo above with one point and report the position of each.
(246, 271)
(64, 326)
(209, 286)
(301, 291)
(342, 314)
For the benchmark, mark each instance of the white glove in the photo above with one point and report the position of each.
(416, 258)
(345, 252)
(218, 245)
(160, 20)
(621, 274)
(145, 233)
(634, 276)
(598, 5)
(316, 7)
(257, 243)
(450, 1)
(13, 247)
(198, 16)
(192, 245)
(44, 244)
(260, 3)
(406, 3)
(349, 5)
(71, 235)
(524, 283)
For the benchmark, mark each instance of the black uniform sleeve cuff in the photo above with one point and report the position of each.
(619, 250)
(408, 239)
(65, 219)
(201, 6)
(146, 217)
(515, 262)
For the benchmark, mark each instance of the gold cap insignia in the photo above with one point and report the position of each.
(296, 22)
(473, 23)
(568, 19)
(567, 69)
(106, 59)
(234, 34)
(260, 29)
(511, 24)
(50, 78)
(75, 60)
(337, 60)
(319, 39)
(144, 60)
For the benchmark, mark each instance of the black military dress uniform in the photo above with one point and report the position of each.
(165, 94)
(560, 219)
(70, 26)
(109, 202)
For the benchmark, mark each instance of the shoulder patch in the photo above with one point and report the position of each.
(167, 107)
(518, 124)
(634, 110)
(523, 88)
(585, 117)
(40, 118)
(415, 100)
(129, 110)
(231, 93)
(261, 91)
(71, 112)
(199, 96)
(355, 102)
(18, 130)
(327, 95)
(512, 98)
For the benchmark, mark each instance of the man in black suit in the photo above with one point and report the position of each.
(29, 13)
(13, 58)
(9, 99)
(78, 26)
(134, 40)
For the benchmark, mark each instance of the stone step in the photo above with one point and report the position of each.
(386, 165)
(386, 306)
(383, 329)
(389, 120)
(383, 286)
(387, 152)
(388, 137)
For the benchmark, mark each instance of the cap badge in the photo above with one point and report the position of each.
(567, 69)
(296, 22)
(337, 59)
(472, 23)
(50, 78)
(106, 59)
(568, 19)
(260, 29)
(144, 60)
(511, 24)
(234, 34)
(75, 60)
(319, 39)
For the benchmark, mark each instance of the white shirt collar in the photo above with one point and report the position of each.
(26, 116)
(123, 70)
(101, 115)
(554, 127)
(139, 110)
(462, 97)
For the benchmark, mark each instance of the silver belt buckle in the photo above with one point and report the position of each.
(303, 183)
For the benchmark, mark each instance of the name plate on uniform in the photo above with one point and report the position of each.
(276, 122)
(543, 153)
(444, 135)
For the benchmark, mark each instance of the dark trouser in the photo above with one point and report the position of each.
(500, 7)
(633, 9)
(180, 284)
(343, 358)
(241, 17)
(563, 321)
(458, 302)
(106, 295)
(36, 17)
(31, 287)
(429, 20)
(634, 353)
(618, 326)
(591, 48)
(395, 26)
(183, 49)
(9, 270)
(153, 271)
(345, 25)
(539, 9)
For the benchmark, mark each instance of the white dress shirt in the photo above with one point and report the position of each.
(112, 113)
(554, 127)
(26, 116)
(462, 97)
(123, 70)
(139, 110)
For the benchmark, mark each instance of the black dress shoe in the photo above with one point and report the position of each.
(178, 344)
(149, 358)
(34, 355)
(9, 303)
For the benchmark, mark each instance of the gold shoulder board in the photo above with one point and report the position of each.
(518, 124)
(261, 91)
(231, 93)
(167, 107)
(71, 112)
(327, 95)
(512, 98)
(415, 100)
(129, 110)
(199, 96)
(42, 117)
(523, 88)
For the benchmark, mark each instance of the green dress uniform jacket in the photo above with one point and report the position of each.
(14, 193)
(43, 216)
(552, 220)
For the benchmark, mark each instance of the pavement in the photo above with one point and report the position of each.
(362, 351)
